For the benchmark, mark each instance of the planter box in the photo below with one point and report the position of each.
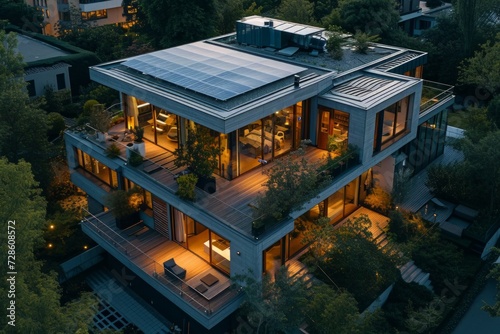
(128, 221)
(207, 184)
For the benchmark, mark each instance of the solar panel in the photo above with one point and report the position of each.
(212, 70)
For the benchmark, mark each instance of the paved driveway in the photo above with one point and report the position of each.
(477, 320)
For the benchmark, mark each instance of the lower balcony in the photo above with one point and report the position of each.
(204, 293)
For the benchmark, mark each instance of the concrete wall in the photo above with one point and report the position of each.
(47, 76)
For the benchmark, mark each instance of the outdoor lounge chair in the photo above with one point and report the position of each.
(173, 270)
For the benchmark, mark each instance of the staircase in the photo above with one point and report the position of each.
(411, 273)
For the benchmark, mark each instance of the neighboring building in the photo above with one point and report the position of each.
(261, 91)
(41, 71)
(94, 12)
(416, 17)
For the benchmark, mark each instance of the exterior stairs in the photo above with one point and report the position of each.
(411, 273)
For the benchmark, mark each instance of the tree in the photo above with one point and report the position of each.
(176, 22)
(37, 301)
(323, 8)
(483, 69)
(23, 125)
(274, 306)
(199, 153)
(374, 17)
(292, 181)
(350, 253)
(329, 311)
(299, 11)
(363, 41)
(18, 13)
(494, 310)
(334, 43)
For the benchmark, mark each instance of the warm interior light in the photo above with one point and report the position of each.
(85, 247)
(50, 245)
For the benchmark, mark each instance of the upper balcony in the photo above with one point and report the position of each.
(93, 5)
(144, 251)
(435, 95)
(234, 201)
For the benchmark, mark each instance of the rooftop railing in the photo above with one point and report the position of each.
(434, 93)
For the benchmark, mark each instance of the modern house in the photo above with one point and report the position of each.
(260, 91)
(95, 12)
(416, 17)
(41, 71)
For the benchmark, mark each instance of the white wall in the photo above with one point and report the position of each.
(47, 76)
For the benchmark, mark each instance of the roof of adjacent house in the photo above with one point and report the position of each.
(34, 50)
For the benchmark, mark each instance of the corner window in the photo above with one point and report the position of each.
(390, 123)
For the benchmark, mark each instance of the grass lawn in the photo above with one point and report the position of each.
(457, 118)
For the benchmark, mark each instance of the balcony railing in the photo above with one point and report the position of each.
(434, 93)
(146, 263)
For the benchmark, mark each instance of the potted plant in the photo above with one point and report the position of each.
(199, 153)
(112, 151)
(125, 205)
(139, 144)
(100, 120)
(135, 158)
(187, 182)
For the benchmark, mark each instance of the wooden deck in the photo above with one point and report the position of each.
(231, 203)
(146, 250)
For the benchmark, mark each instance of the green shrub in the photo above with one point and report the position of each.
(187, 184)
(112, 151)
(379, 200)
(135, 158)
(404, 226)
(56, 125)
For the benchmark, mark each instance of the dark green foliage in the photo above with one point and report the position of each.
(323, 8)
(199, 153)
(440, 258)
(187, 184)
(112, 151)
(404, 226)
(274, 306)
(299, 11)
(374, 17)
(176, 22)
(449, 182)
(55, 125)
(433, 3)
(494, 111)
(18, 13)
(103, 94)
(55, 100)
(135, 159)
(334, 44)
(292, 181)
(124, 203)
(404, 295)
(139, 134)
(349, 255)
(363, 41)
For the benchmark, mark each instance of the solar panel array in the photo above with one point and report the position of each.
(214, 71)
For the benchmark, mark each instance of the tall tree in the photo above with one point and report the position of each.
(374, 17)
(37, 297)
(17, 12)
(299, 11)
(274, 306)
(176, 22)
(23, 126)
(483, 69)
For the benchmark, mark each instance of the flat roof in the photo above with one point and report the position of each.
(33, 50)
(370, 89)
(211, 70)
(285, 26)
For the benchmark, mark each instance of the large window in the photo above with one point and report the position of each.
(390, 123)
(200, 240)
(97, 168)
(95, 15)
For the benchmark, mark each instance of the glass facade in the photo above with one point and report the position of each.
(429, 144)
(97, 168)
(390, 123)
(200, 240)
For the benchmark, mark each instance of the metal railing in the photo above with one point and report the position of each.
(117, 241)
(434, 93)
